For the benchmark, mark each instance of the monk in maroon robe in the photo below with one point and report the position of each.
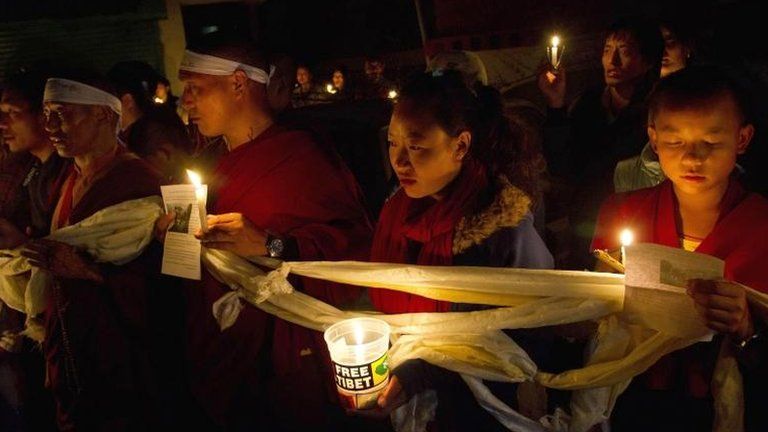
(279, 193)
(699, 123)
(98, 342)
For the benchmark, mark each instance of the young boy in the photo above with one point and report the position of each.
(699, 122)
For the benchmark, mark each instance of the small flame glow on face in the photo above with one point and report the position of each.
(195, 178)
(392, 94)
(626, 237)
(555, 40)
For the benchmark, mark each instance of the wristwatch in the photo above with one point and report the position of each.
(275, 246)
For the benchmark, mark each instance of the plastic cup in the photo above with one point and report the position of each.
(358, 349)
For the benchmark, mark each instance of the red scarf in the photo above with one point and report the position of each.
(406, 222)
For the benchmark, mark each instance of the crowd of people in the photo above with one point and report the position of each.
(662, 145)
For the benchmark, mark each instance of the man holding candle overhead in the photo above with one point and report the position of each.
(699, 122)
(98, 346)
(277, 193)
(583, 143)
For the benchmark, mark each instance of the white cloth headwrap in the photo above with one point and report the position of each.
(68, 91)
(212, 65)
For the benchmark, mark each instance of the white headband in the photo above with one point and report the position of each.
(212, 65)
(68, 91)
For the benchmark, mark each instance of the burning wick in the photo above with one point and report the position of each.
(201, 193)
(159, 100)
(555, 52)
(329, 88)
(392, 94)
(626, 238)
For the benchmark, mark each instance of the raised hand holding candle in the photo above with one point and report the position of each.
(201, 193)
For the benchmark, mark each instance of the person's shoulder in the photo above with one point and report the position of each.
(509, 208)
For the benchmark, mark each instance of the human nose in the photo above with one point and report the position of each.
(52, 123)
(615, 58)
(186, 99)
(695, 154)
(399, 157)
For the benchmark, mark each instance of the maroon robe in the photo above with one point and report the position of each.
(97, 335)
(738, 238)
(286, 183)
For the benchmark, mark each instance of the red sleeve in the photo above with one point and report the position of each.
(608, 221)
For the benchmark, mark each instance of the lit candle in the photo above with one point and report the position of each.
(201, 195)
(626, 239)
(159, 100)
(329, 88)
(392, 94)
(555, 52)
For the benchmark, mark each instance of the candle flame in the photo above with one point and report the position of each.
(329, 88)
(392, 94)
(555, 40)
(159, 100)
(626, 237)
(195, 178)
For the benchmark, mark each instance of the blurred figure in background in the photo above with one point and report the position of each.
(149, 124)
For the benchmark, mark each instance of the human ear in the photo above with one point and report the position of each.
(463, 142)
(239, 81)
(745, 138)
(652, 138)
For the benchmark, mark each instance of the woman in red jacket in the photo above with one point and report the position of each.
(465, 199)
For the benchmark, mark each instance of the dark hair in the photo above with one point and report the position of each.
(681, 29)
(695, 85)
(340, 68)
(647, 35)
(497, 143)
(30, 83)
(138, 79)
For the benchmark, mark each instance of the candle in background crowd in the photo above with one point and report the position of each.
(358, 349)
(329, 88)
(555, 52)
(392, 94)
(201, 193)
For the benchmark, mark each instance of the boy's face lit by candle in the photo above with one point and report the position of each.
(698, 143)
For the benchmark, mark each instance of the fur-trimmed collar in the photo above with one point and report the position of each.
(508, 208)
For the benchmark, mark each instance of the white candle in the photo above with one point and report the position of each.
(555, 51)
(626, 238)
(201, 193)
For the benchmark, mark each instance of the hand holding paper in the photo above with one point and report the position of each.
(722, 305)
(235, 233)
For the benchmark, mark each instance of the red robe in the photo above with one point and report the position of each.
(738, 238)
(98, 335)
(283, 182)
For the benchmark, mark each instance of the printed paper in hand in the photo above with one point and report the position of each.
(656, 278)
(181, 252)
